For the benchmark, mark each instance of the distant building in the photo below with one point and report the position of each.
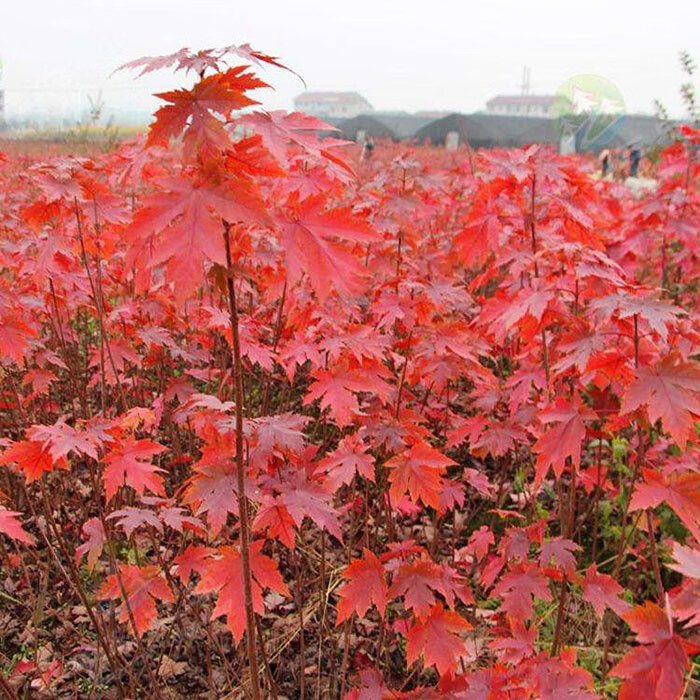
(332, 105)
(521, 105)
(433, 113)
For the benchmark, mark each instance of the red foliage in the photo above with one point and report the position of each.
(459, 374)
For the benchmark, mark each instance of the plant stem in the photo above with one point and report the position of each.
(97, 295)
(655, 558)
(7, 688)
(240, 469)
(533, 228)
(560, 616)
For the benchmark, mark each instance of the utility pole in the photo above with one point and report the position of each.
(525, 85)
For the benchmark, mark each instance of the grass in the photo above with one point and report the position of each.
(82, 139)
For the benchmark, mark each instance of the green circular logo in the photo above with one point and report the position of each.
(589, 110)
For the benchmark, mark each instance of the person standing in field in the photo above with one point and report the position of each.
(635, 155)
(605, 159)
(367, 148)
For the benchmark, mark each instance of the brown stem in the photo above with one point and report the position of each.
(75, 582)
(655, 558)
(73, 579)
(300, 611)
(402, 380)
(15, 392)
(622, 546)
(97, 295)
(322, 613)
(545, 361)
(240, 468)
(275, 341)
(663, 265)
(398, 259)
(380, 642)
(560, 616)
(346, 656)
(566, 532)
(266, 664)
(111, 554)
(7, 688)
(533, 228)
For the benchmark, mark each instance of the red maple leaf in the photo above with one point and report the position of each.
(143, 585)
(15, 335)
(184, 59)
(519, 645)
(181, 226)
(250, 55)
(560, 677)
(309, 237)
(563, 441)
(199, 61)
(194, 558)
(305, 495)
(419, 471)
(680, 491)
(337, 390)
(418, 581)
(562, 551)
(62, 439)
(365, 585)
(656, 668)
(671, 393)
(685, 602)
(12, 527)
(32, 458)
(518, 588)
(223, 575)
(349, 458)
(528, 306)
(479, 542)
(657, 313)
(602, 591)
(687, 560)
(130, 519)
(436, 638)
(128, 463)
(95, 538)
(278, 129)
(274, 519)
(212, 490)
(280, 434)
(372, 687)
(480, 236)
(175, 518)
(193, 110)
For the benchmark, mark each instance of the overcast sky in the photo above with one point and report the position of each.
(400, 54)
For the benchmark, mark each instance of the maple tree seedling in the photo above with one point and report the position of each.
(285, 422)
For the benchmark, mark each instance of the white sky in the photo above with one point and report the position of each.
(400, 54)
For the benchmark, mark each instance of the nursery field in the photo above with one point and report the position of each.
(279, 421)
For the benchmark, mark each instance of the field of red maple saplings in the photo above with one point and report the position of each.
(278, 422)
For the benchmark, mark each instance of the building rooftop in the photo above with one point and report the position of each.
(522, 99)
(338, 97)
